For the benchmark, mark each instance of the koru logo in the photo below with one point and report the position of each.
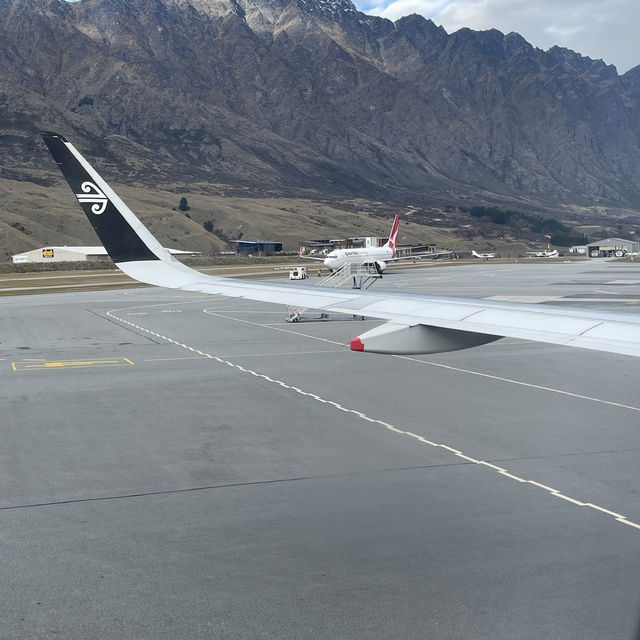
(92, 195)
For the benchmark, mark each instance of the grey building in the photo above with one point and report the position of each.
(251, 248)
(607, 248)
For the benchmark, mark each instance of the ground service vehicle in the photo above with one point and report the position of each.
(298, 273)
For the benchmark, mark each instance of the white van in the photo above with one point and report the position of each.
(298, 273)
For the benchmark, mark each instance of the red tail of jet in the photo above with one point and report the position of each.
(393, 236)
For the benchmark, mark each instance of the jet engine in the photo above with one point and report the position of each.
(380, 266)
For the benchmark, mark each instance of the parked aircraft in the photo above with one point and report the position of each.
(376, 256)
(412, 323)
(548, 253)
(483, 256)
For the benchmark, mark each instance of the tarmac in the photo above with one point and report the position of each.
(182, 466)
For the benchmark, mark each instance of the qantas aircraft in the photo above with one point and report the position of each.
(411, 323)
(376, 256)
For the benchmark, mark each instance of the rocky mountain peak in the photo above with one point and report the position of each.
(313, 94)
(334, 9)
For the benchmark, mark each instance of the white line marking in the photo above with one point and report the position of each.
(274, 328)
(411, 359)
(522, 384)
(243, 311)
(444, 366)
(336, 405)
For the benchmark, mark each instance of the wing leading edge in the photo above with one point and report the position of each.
(413, 323)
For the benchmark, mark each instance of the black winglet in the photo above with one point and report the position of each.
(108, 214)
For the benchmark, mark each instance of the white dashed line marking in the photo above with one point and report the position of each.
(394, 429)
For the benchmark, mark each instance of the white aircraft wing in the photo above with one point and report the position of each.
(412, 323)
(304, 257)
(420, 256)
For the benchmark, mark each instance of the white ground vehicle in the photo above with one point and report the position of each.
(298, 273)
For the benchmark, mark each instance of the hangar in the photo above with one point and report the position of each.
(77, 254)
(607, 248)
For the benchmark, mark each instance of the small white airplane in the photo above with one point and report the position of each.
(376, 256)
(483, 256)
(411, 323)
(548, 253)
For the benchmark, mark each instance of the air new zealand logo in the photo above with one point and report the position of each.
(92, 195)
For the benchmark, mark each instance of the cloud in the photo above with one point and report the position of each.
(604, 29)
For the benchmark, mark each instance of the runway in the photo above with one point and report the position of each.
(185, 466)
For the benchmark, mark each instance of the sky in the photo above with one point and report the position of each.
(599, 29)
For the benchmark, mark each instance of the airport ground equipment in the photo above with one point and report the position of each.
(362, 276)
(298, 273)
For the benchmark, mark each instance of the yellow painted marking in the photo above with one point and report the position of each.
(30, 365)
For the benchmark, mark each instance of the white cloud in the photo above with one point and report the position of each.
(398, 8)
(604, 29)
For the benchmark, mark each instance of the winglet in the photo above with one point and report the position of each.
(124, 237)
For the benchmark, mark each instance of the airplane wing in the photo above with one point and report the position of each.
(305, 257)
(420, 256)
(412, 323)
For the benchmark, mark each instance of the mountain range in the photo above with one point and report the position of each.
(300, 98)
